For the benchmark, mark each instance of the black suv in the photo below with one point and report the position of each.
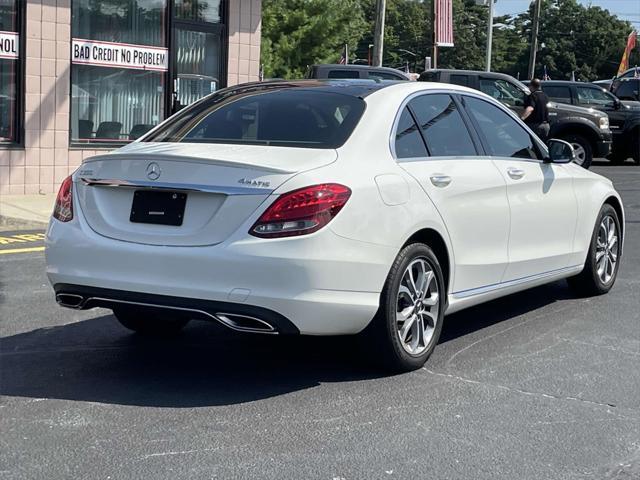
(624, 115)
(355, 71)
(586, 129)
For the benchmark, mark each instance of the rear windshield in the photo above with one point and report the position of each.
(284, 117)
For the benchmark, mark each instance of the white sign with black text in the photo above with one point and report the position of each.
(9, 44)
(121, 55)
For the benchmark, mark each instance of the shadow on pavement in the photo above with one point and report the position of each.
(98, 360)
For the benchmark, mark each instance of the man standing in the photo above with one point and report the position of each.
(536, 114)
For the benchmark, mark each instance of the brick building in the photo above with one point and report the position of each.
(82, 76)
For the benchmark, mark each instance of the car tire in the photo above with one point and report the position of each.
(603, 259)
(421, 330)
(146, 323)
(618, 156)
(583, 149)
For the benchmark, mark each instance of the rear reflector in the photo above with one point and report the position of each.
(63, 209)
(301, 211)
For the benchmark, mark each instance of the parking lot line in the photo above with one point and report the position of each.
(22, 250)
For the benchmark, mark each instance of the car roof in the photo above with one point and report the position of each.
(569, 82)
(355, 87)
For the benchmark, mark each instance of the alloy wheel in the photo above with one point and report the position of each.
(580, 152)
(417, 306)
(607, 249)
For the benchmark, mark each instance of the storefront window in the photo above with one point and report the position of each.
(119, 69)
(9, 71)
(198, 10)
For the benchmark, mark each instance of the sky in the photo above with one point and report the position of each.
(626, 9)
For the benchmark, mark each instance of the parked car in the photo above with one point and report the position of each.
(330, 208)
(624, 116)
(328, 71)
(626, 88)
(586, 129)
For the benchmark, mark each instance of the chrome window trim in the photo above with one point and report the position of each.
(185, 187)
(473, 94)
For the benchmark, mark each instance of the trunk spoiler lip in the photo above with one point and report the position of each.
(186, 187)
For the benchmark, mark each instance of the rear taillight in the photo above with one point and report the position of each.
(301, 211)
(63, 209)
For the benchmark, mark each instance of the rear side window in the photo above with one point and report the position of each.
(343, 74)
(460, 80)
(408, 142)
(442, 126)
(504, 136)
(283, 117)
(558, 93)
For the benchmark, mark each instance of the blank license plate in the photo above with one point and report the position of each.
(158, 207)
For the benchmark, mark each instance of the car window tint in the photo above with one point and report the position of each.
(505, 137)
(460, 80)
(408, 143)
(343, 74)
(502, 91)
(626, 90)
(384, 76)
(594, 96)
(279, 117)
(442, 125)
(557, 93)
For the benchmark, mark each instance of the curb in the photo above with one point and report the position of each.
(12, 223)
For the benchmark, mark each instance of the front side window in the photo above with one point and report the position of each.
(442, 126)
(594, 97)
(119, 69)
(503, 135)
(628, 90)
(279, 117)
(558, 94)
(343, 74)
(9, 71)
(379, 75)
(502, 91)
(408, 141)
(462, 80)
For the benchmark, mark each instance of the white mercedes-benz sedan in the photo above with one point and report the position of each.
(330, 208)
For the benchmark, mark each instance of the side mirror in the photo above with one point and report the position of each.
(560, 151)
(617, 104)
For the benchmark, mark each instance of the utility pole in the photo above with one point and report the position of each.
(378, 39)
(434, 55)
(489, 35)
(534, 39)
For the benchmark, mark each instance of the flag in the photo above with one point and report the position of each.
(573, 76)
(546, 75)
(344, 57)
(631, 43)
(636, 74)
(443, 23)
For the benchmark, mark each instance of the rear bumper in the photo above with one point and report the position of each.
(320, 284)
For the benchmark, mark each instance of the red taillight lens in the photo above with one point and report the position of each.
(63, 210)
(301, 211)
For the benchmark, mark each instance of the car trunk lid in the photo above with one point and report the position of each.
(224, 185)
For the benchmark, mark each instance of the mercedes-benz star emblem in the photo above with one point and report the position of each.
(153, 171)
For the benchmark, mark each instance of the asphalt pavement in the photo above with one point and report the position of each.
(539, 385)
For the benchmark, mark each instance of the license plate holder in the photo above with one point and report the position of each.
(158, 207)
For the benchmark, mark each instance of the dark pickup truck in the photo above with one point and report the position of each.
(624, 115)
(586, 129)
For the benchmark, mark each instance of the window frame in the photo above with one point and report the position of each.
(542, 149)
(454, 94)
(18, 142)
(170, 23)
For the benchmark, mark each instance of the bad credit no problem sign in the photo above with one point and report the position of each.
(121, 55)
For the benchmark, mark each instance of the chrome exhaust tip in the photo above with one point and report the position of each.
(69, 300)
(245, 323)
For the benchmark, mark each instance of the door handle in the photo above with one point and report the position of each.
(440, 180)
(515, 173)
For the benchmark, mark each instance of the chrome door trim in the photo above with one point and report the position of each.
(185, 187)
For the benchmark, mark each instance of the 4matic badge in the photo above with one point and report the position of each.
(254, 183)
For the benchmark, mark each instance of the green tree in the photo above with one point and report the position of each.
(298, 33)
